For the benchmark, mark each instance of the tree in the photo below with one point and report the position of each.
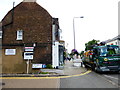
(91, 44)
(73, 52)
(81, 53)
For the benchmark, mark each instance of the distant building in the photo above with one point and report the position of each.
(58, 45)
(29, 34)
(0, 31)
(114, 41)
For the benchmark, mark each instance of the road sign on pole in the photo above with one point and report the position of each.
(28, 55)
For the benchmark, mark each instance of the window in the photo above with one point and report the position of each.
(0, 34)
(20, 35)
(113, 50)
(103, 51)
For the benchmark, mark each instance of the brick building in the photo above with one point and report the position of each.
(27, 29)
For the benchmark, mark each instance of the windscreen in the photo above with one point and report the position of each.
(110, 51)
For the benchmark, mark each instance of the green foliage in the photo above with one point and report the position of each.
(65, 54)
(81, 53)
(90, 44)
(71, 55)
(49, 66)
(44, 72)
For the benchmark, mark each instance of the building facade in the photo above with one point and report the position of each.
(114, 41)
(58, 45)
(27, 37)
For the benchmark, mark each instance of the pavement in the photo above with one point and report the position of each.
(68, 69)
(71, 69)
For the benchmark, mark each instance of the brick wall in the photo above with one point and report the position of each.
(36, 24)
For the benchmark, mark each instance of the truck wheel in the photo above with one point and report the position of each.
(85, 65)
(96, 69)
(93, 67)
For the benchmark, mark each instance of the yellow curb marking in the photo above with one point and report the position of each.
(46, 77)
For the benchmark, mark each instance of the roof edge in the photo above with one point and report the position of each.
(29, 1)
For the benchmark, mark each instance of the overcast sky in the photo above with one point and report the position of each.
(100, 20)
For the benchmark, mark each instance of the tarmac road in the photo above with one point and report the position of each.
(76, 79)
(91, 80)
(113, 77)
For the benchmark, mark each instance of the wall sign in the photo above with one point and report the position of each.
(36, 65)
(28, 55)
(10, 51)
(29, 48)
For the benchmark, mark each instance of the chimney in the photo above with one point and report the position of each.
(29, 0)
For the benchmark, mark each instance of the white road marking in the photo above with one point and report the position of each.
(113, 83)
(111, 77)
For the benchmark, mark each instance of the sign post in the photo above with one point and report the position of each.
(28, 55)
(27, 66)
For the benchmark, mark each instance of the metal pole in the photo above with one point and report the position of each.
(74, 30)
(74, 33)
(28, 66)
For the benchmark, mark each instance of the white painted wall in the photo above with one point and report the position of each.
(55, 49)
(55, 54)
(115, 42)
(53, 33)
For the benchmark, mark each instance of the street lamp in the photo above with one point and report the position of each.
(74, 29)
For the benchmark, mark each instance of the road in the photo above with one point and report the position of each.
(31, 83)
(113, 78)
(90, 80)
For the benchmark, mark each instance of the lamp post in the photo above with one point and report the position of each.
(74, 29)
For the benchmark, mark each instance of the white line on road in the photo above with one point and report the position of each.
(113, 83)
(111, 77)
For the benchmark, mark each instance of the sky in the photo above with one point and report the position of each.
(100, 20)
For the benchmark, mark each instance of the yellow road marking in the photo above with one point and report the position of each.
(45, 77)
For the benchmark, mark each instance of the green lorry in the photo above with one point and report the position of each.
(103, 58)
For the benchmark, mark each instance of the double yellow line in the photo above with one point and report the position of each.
(46, 77)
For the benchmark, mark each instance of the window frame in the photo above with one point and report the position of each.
(19, 35)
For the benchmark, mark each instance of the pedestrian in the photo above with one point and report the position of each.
(69, 58)
(82, 61)
(75, 57)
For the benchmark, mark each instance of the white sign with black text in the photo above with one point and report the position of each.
(10, 51)
(28, 55)
(36, 65)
